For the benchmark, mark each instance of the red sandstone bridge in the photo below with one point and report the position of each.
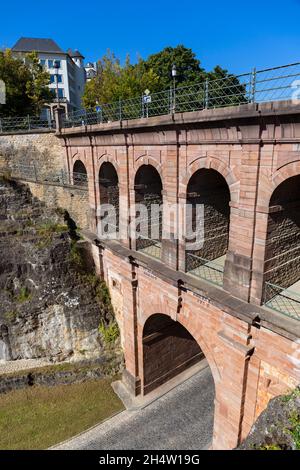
(236, 300)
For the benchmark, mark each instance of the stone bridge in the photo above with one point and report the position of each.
(235, 300)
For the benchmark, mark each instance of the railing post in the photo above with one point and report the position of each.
(120, 110)
(28, 120)
(253, 85)
(206, 94)
(142, 106)
(170, 101)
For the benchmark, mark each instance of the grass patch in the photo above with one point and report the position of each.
(38, 417)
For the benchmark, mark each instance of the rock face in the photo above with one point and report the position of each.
(49, 306)
(278, 427)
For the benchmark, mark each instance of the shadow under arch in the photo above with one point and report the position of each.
(207, 224)
(80, 177)
(168, 349)
(282, 250)
(148, 196)
(110, 194)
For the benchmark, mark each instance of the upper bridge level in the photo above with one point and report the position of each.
(242, 163)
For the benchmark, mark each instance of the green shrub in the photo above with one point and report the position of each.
(23, 295)
(110, 332)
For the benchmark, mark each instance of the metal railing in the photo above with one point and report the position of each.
(282, 299)
(32, 173)
(149, 246)
(25, 123)
(257, 86)
(206, 269)
(272, 84)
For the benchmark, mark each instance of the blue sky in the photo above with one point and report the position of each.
(235, 34)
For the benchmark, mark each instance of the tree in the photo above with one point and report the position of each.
(26, 84)
(187, 66)
(114, 82)
(224, 88)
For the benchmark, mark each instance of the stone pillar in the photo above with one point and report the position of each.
(131, 373)
(231, 390)
(239, 259)
(170, 214)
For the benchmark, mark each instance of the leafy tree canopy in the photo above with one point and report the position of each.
(26, 84)
(188, 66)
(114, 81)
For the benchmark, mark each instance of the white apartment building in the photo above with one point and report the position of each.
(67, 81)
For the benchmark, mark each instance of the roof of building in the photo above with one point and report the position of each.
(36, 44)
(74, 53)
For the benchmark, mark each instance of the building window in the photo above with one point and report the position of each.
(43, 62)
(53, 78)
(60, 92)
(50, 64)
(58, 62)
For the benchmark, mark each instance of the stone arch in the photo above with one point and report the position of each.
(269, 184)
(106, 157)
(175, 346)
(80, 176)
(228, 173)
(207, 224)
(198, 333)
(147, 160)
(282, 247)
(148, 187)
(109, 194)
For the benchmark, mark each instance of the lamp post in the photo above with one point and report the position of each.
(174, 73)
(56, 65)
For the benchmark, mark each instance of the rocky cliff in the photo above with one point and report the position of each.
(51, 303)
(278, 427)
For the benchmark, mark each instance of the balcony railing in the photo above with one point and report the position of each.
(282, 300)
(211, 271)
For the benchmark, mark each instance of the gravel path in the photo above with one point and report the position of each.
(22, 364)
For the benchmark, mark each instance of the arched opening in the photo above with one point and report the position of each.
(207, 225)
(109, 194)
(282, 254)
(168, 349)
(79, 174)
(148, 197)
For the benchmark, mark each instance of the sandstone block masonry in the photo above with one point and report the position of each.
(253, 351)
(38, 159)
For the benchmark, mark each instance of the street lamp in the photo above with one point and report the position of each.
(174, 73)
(56, 65)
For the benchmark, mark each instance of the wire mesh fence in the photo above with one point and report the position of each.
(32, 173)
(206, 269)
(25, 123)
(257, 86)
(282, 300)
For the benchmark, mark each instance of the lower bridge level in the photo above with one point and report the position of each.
(169, 323)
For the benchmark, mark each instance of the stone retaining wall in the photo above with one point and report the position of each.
(51, 376)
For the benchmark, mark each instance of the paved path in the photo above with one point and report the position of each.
(6, 367)
(181, 419)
